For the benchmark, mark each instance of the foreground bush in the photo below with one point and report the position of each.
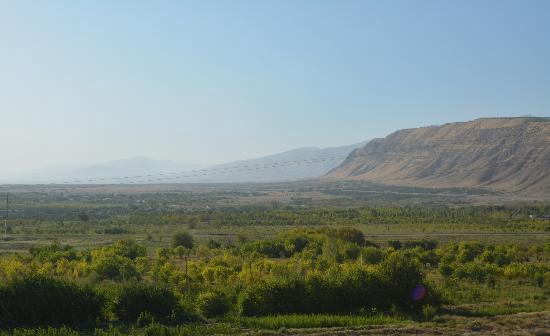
(44, 301)
(134, 299)
(213, 303)
(395, 283)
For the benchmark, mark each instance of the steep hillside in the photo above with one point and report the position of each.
(505, 154)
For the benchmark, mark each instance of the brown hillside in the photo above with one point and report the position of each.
(505, 154)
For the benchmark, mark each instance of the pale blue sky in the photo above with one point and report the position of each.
(212, 81)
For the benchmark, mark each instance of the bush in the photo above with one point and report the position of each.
(129, 249)
(183, 238)
(269, 248)
(39, 301)
(445, 270)
(342, 290)
(351, 235)
(137, 298)
(373, 255)
(396, 244)
(53, 252)
(114, 267)
(212, 304)
(426, 244)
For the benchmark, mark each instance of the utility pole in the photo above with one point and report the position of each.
(6, 217)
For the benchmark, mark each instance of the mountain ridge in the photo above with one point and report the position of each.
(284, 173)
(502, 154)
(116, 171)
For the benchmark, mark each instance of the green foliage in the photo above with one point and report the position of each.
(445, 270)
(128, 249)
(373, 255)
(342, 290)
(180, 251)
(302, 271)
(183, 238)
(53, 252)
(350, 235)
(213, 303)
(395, 244)
(115, 267)
(135, 299)
(43, 301)
(425, 244)
(118, 261)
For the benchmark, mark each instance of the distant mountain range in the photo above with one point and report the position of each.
(108, 172)
(502, 154)
(296, 164)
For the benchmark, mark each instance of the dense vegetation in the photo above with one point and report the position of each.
(207, 262)
(330, 271)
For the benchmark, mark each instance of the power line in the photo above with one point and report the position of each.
(243, 168)
(190, 174)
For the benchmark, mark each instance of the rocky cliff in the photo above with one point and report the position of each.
(504, 154)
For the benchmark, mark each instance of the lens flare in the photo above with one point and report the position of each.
(418, 293)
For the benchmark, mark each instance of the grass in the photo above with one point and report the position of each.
(490, 310)
(276, 322)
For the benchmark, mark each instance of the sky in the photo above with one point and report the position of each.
(212, 81)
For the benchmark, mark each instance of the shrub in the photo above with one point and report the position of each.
(183, 238)
(296, 243)
(396, 244)
(351, 235)
(212, 304)
(445, 270)
(115, 267)
(53, 252)
(137, 298)
(129, 249)
(341, 290)
(269, 248)
(373, 255)
(39, 301)
(426, 244)
(214, 244)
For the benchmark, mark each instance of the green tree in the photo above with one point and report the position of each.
(183, 238)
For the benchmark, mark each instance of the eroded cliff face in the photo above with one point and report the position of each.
(505, 154)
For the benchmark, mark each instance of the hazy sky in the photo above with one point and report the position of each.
(211, 81)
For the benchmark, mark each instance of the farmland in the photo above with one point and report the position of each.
(289, 258)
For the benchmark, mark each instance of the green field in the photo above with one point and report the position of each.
(286, 258)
